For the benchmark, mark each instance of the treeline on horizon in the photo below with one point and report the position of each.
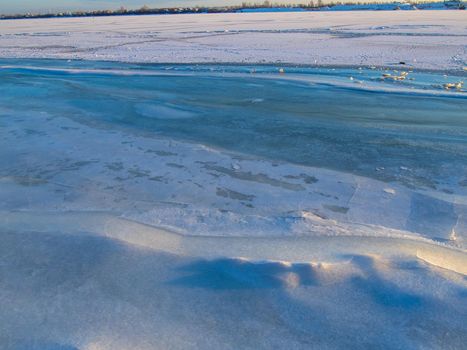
(146, 10)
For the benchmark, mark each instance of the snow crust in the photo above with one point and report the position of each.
(422, 39)
(184, 207)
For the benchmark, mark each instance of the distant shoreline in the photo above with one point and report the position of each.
(250, 8)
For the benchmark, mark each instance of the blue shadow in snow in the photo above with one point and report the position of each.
(382, 291)
(240, 274)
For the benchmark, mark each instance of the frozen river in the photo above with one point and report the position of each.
(405, 141)
(241, 187)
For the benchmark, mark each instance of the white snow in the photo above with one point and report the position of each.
(422, 39)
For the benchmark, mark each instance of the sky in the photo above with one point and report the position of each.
(23, 6)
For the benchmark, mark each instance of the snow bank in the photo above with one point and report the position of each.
(66, 291)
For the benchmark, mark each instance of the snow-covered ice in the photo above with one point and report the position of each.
(143, 209)
(422, 39)
(181, 206)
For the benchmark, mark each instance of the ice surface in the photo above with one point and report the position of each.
(224, 165)
(422, 39)
(141, 208)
